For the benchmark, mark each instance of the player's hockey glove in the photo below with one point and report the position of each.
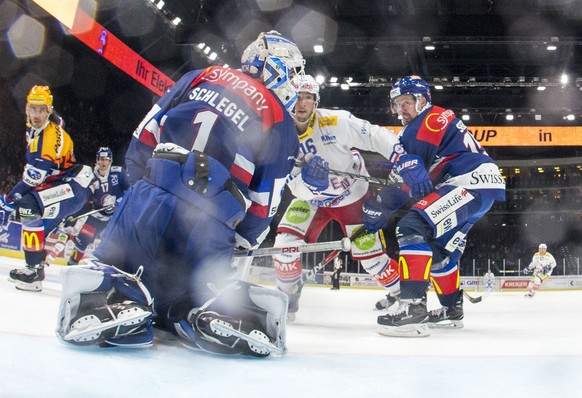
(7, 207)
(411, 169)
(374, 216)
(546, 269)
(525, 270)
(377, 210)
(315, 174)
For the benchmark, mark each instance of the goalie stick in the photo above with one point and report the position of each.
(338, 245)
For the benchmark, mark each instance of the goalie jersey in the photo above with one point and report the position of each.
(235, 120)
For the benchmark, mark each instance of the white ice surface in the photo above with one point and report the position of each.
(510, 347)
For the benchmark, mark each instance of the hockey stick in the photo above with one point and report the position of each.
(372, 180)
(310, 274)
(476, 300)
(487, 280)
(338, 245)
(71, 219)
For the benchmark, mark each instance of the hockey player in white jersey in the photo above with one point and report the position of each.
(327, 141)
(541, 267)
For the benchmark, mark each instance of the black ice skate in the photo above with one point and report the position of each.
(448, 317)
(28, 278)
(408, 320)
(386, 302)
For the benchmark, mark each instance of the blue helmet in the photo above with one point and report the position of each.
(413, 85)
(104, 152)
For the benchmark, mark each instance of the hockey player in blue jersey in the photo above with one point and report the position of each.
(223, 143)
(107, 191)
(455, 183)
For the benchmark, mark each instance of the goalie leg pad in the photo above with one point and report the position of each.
(241, 319)
(101, 305)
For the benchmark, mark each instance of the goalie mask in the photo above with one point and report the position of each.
(274, 60)
(412, 85)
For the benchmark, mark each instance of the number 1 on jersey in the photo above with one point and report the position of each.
(205, 121)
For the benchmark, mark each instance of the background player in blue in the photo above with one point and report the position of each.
(107, 190)
(52, 187)
(223, 144)
(441, 153)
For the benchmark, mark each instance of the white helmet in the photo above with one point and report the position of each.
(307, 84)
(543, 246)
(274, 60)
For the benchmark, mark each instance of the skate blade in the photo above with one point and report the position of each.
(29, 287)
(257, 341)
(92, 327)
(448, 324)
(412, 330)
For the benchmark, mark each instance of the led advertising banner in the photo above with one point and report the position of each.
(95, 36)
(523, 135)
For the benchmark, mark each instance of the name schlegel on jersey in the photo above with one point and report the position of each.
(222, 105)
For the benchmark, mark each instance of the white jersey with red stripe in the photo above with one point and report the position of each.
(333, 135)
